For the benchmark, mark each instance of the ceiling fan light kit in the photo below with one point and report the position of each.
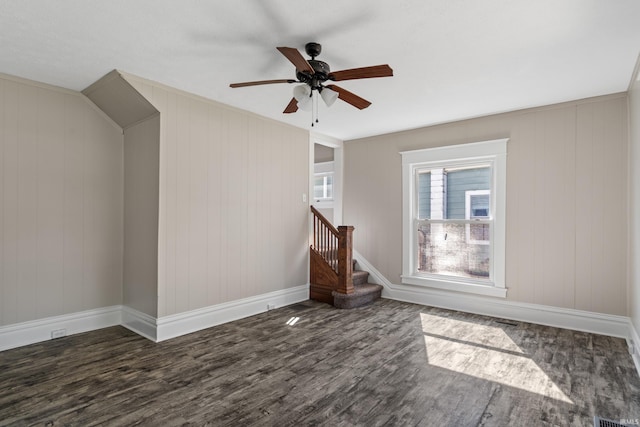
(329, 96)
(313, 74)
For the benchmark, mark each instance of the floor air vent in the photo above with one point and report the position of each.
(298, 307)
(602, 422)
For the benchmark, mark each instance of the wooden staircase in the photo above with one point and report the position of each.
(333, 276)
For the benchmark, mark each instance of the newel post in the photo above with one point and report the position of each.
(345, 259)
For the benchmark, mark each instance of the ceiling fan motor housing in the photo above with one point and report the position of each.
(321, 74)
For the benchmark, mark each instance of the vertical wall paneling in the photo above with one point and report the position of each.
(198, 141)
(252, 230)
(169, 247)
(141, 173)
(50, 207)
(9, 273)
(231, 212)
(27, 201)
(213, 197)
(60, 203)
(567, 232)
(566, 199)
(584, 188)
(615, 207)
(161, 102)
(539, 209)
(520, 210)
(4, 294)
(74, 181)
(107, 169)
(181, 201)
(634, 208)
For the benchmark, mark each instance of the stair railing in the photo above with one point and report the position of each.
(335, 246)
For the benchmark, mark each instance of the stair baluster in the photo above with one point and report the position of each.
(332, 259)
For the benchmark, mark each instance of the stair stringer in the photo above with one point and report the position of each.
(375, 276)
(323, 279)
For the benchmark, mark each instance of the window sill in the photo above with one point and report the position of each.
(323, 204)
(452, 285)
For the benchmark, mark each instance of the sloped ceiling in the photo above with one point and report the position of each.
(119, 100)
(452, 59)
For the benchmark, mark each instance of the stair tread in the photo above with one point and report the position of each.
(363, 294)
(360, 277)
(364, 288)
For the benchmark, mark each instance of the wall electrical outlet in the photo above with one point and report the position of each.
(271, 306)
(58, 333)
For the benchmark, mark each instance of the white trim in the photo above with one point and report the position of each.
(338, 172)
(578, 320)
(467, 214)
(451, 284)
(375, 276)
(139, 322)
(448, 153)
(34, 331)
(324, 167)
(494, 152)
(195, 320)
(21, 334)
(633, 341)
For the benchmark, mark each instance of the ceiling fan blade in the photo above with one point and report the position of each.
(349, 97)
(292, 107)
(362, 73)
(262, 82)
(296, 59)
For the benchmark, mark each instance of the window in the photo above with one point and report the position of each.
(323, 186)
(453, 217)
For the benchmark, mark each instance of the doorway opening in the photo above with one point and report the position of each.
(323, 195)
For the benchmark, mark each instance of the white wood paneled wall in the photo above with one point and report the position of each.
(61, 169)
(566, 199)
(233, 223)
(634, 211)
(141, 174)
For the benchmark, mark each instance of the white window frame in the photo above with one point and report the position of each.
(468, 194)
(324, 170)
(326, 186)
(493, 152)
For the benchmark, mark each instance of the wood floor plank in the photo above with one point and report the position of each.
(391, 363)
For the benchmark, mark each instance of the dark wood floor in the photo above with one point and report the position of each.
(391, 363)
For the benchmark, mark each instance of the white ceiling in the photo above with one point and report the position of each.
(452, 59)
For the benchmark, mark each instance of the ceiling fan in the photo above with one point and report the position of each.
(313, 74)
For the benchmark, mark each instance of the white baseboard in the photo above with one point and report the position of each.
(139, 322)
(633, 341)
(25, 333)
(195, 320)
(21, 334)
(579, 320)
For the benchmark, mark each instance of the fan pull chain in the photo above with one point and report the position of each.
(314, 108)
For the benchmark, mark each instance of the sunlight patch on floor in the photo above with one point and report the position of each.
(485, 352)
(292, 321)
